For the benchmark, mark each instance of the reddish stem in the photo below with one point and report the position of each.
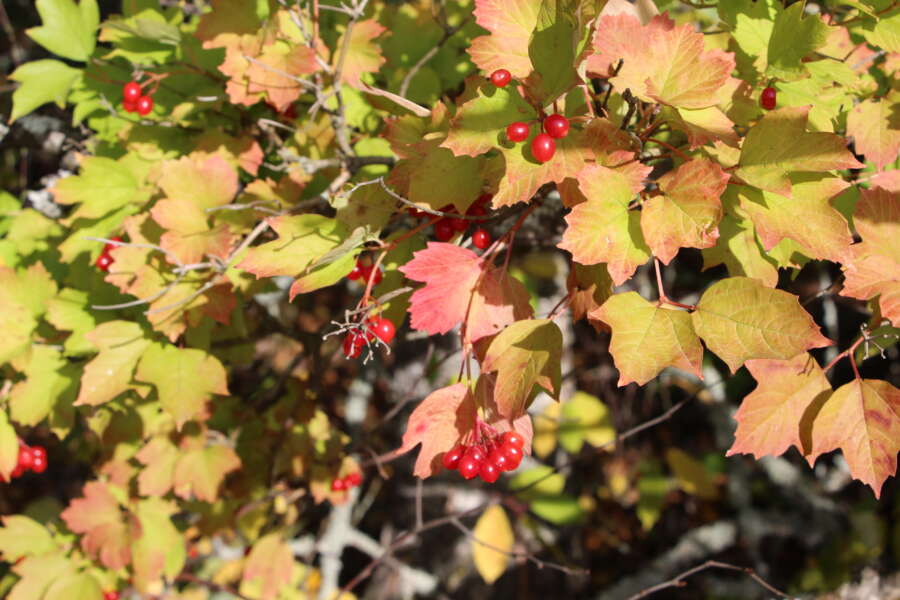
(848, 353)
(670, 147)
(663, 299)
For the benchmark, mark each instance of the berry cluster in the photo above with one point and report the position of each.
(767, 98)
(488, 458)
(105, 260)
(361, 272)
(365, 334)
(31, 458)
(543, 146)
(347, 482)
(134, 100)
(447, 227)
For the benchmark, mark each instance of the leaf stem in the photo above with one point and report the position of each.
(663, 298)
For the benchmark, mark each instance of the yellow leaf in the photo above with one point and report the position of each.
(692, 476)
(546, 430)
(493, 529)
(585, 419)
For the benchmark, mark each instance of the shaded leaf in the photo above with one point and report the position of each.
(200, 471)
(585, 418)
(690, 474)
(21, 536)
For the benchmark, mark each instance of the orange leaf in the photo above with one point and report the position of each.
(439, 423)
(97, 516)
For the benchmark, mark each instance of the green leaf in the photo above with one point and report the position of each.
(69, 312)
(34, 580)
(9, 447)
(647, 338)
(460, 177)
(741, 253)
(103, 186)
(525, 354)
(41, 81)
(779, 144)
(884, 32)
(75, 586)
(881, 338)
(793, 38)
(108, 374)
(536, 482)
(185, 379)
(552, 49)
(21, 536)
(160, 549)
(479, 123)
(584, 418)
(201, 471)
(67, 28)
(562, 509)
(652, 488)
(740, 319)
(301, 240)
(50, 385)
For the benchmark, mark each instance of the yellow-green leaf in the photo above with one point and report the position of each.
(109, 374)
(494, 530)
(690, 474)
(585, 419)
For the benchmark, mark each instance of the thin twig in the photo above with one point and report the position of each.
(679, 580)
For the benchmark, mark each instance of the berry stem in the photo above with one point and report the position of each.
(848, 353)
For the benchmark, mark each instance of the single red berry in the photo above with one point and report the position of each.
(459, 224)
(556, 126)
(144, 105)
(353, 345)
(17, 472)
(129, 106)
(477, 453)
(501, 77)
(116, 238)
(469, 467)
(384, 329)
(513, 456)
(443, 230)
(356, 273)
(498, 459)
(517, 132)
(131, 91)
(452, 457)
(767, 98)
(543, 147)
(513, 438)
(354, 479)
(26, 458)
(481, 239)
(38, 459)
(104, 262)
(338, 485)
(489, 472)
(484, 199)
(111, 595)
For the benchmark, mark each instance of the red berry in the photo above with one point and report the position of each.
(38, 459)
(131, 91)
(481, 239)
(489, 472)
(129, 106)
(356, 273)
(484, 199)
(476, 453)
(384, 329)
(459, 224)
(513, 456)
(517, 132)
(353, 479)
(104, 261)
(443, 230)
(556, 126)
(353, 344)
(500, 77)
(469, 467)
(144, 105)
(513, 438)
(17, 472)
(26, 458)
(109, 246)
(498, 459)
(767, 98)
(543, 147)
(112, 594)
(338, 485)
(452, 457)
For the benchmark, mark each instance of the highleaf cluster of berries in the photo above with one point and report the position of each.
(488, 458)
(134, 99)
(105, 260)
(555, 126)
(446, 228)
(378, 327)
(347, 482)
(361, 272)
(31, 458)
